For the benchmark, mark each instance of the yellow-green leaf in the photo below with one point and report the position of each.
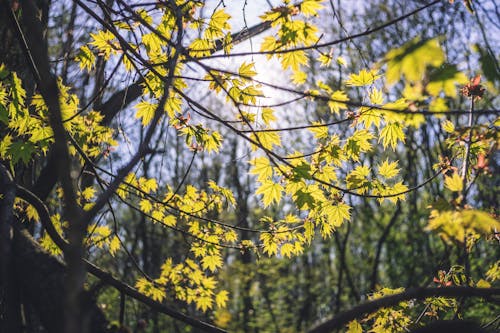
(411, 60)
(85, 58)
(114, 245)
(268, 116)
(448, 126)
(287, 250)
(454, 183)
(336, 213)
(88, 193)
(293, 60)
(388, 170)
(247, 70)
(337, 98)
(266, 139)
(310, 7)
(103, 41)
(271, 192)
(376, 96)
(354, 327)
(221, 298)
(211, 262)
(390, 135)
(325, 59)
(262, 168)
(320, 132)
(363, 78)
(145, 112)
(145, 205)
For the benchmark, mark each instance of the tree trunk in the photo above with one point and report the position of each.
(10, 314)
(40, 277)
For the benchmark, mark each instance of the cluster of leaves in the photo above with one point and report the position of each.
(28, 133)
(155, 51)
(185, 213)
(315, 182)
(312, 181)
(401, 317)
(28, 136)
(186, 282)
(394, 319)
(292, 33)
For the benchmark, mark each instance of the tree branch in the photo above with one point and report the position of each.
(415, 293)
(9, 307)
(120, 100)
(154, 305)
(106, 277)
(37, 53)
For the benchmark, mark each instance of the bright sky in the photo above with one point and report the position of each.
(245, 13)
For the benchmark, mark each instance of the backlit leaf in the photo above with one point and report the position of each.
(293, 60)
(388, 170)
(412, 59)
(364, 78)
(85, 58)
(391, 134)
(454, 182)
(310, 7)
(145, 112)
(262, 168)
(221, 298)
(337, 98)
(266, 139)
(271, 192)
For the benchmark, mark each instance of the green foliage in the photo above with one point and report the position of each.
(411, 60)
(310, 189)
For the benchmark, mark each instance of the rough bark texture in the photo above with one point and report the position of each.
(10, 319)
(29, 276)
(40, 276)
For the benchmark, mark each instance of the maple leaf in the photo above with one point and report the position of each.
(388, 170)
(221, 298)
(390, 135)
(454, 183)
(271, 192)
(211, 262)
(337, 98)
(363, 78)
(294, 60)
(262, 168)
(145, 112)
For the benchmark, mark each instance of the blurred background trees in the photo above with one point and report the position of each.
(383, 246)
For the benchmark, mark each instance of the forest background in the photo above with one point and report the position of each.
(248, 166)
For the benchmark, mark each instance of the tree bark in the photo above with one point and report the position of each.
(40, 276)
(10, 315)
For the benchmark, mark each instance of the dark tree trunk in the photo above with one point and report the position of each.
(31, 280)
(10, 309)
(40, 277)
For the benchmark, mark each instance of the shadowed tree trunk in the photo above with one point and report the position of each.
(32, 281)
(41, 279)
(10, 310)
